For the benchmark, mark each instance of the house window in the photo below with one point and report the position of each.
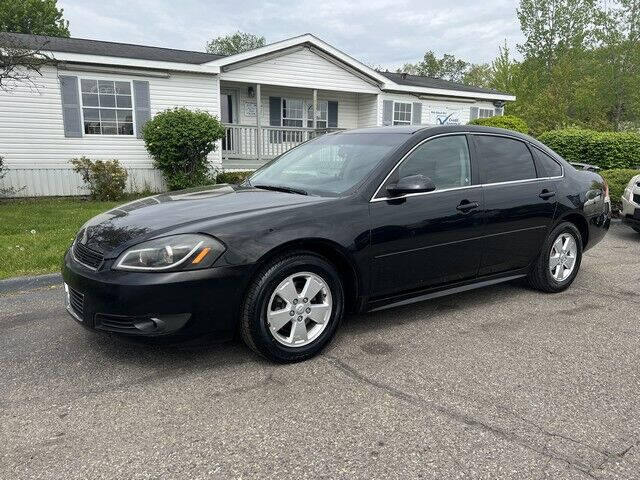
(292, 112)
(401, 113)
(323, 114)
(485, 112)
(107, 107)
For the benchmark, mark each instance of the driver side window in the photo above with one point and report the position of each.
(445, 160)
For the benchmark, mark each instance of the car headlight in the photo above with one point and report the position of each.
(179, 252)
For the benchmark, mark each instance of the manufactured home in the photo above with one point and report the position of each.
(95, 97)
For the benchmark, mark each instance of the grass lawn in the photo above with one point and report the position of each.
(34, 233)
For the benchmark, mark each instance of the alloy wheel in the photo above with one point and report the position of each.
(299, 309)
(562, 258)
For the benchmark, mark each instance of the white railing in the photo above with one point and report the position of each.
(245, 142)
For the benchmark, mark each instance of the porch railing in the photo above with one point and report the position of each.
(245, 142)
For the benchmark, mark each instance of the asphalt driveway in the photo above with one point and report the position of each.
(502, 382)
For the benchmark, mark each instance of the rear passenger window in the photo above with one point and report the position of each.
(551, 167)
(504, 159)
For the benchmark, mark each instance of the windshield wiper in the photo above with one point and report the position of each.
(282, 188)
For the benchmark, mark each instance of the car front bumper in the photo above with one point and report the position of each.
(631, 209)
(154, 304)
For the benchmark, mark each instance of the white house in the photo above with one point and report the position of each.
(97, 96)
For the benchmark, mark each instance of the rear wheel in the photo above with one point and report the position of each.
(292, 308)
(559, 261)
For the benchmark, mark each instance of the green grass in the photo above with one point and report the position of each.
(34, 233)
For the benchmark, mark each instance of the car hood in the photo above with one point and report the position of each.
(190, 210)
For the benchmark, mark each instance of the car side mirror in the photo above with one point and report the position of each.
(411, 184)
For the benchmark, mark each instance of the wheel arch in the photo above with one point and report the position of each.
(334, 253)
(581, 224)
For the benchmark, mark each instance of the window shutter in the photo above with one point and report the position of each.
(71, 119)
(473, 114)
(275, 112)
(387, 112)
(142, 102)
(416, 114)
(332, 114)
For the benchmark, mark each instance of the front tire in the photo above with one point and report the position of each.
(292, 308)
(559, 261)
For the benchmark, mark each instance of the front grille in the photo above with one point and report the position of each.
(76, 302)
(86, 256)
(636, 198)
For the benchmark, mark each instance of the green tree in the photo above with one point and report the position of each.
(448, 67)
(39, 17)
(552, 27)
(478, 75)
(236, 43)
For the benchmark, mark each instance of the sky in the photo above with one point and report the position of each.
(380, 33)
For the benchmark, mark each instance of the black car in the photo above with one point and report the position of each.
(349, 222)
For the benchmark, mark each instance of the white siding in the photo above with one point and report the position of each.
(301, 68)
(32, 137)
(367, 110)
(464, 108)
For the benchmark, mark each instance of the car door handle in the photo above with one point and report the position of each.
(546, 194)
(466, 205)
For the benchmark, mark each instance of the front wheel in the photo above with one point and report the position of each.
(559, 261)
(292, 308)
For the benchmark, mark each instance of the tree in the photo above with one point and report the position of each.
(237, 43)
(38, 17)
(448, 67)
(18, 64)
(552, 27)
(478, 75)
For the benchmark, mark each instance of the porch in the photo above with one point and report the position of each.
(264, 121)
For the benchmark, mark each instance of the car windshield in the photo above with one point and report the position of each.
(329, 165)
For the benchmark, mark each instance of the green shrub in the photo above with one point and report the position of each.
(106, 180)
(233, 177)
(179, 141)
(607, 150)
(618, 179)
(510, 122)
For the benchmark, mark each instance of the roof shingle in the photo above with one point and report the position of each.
(429, 82)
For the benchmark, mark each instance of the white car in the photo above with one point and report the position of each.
(631, 204)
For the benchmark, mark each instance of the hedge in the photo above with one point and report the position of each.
(233, 177)
(618, 179)
(607, 150)
(510, 122)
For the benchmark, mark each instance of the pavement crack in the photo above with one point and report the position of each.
(462, 418)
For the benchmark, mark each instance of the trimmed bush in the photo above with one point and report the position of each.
(607, 150)
(106, 180)
(618, 179)
(510, 122)
(179, 141)
(233, 177)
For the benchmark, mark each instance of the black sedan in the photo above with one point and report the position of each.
(349, 222)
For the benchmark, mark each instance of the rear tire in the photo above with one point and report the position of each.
(280, 320)
(559, 261)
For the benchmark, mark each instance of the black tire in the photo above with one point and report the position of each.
(540, 276)
(254, 328)
(637, 229)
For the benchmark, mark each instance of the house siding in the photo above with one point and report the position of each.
(368, 110)
(428, 106)
(36, 151)
(302, 68)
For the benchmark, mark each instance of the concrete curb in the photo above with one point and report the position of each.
(27, 283)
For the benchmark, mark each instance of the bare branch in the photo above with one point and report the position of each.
(18, 65)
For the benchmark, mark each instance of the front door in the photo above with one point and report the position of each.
(228, 115)
(519, 201)
(428, 239)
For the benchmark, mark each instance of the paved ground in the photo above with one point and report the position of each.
(502, 382)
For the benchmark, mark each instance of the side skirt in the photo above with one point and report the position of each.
(398, 301)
